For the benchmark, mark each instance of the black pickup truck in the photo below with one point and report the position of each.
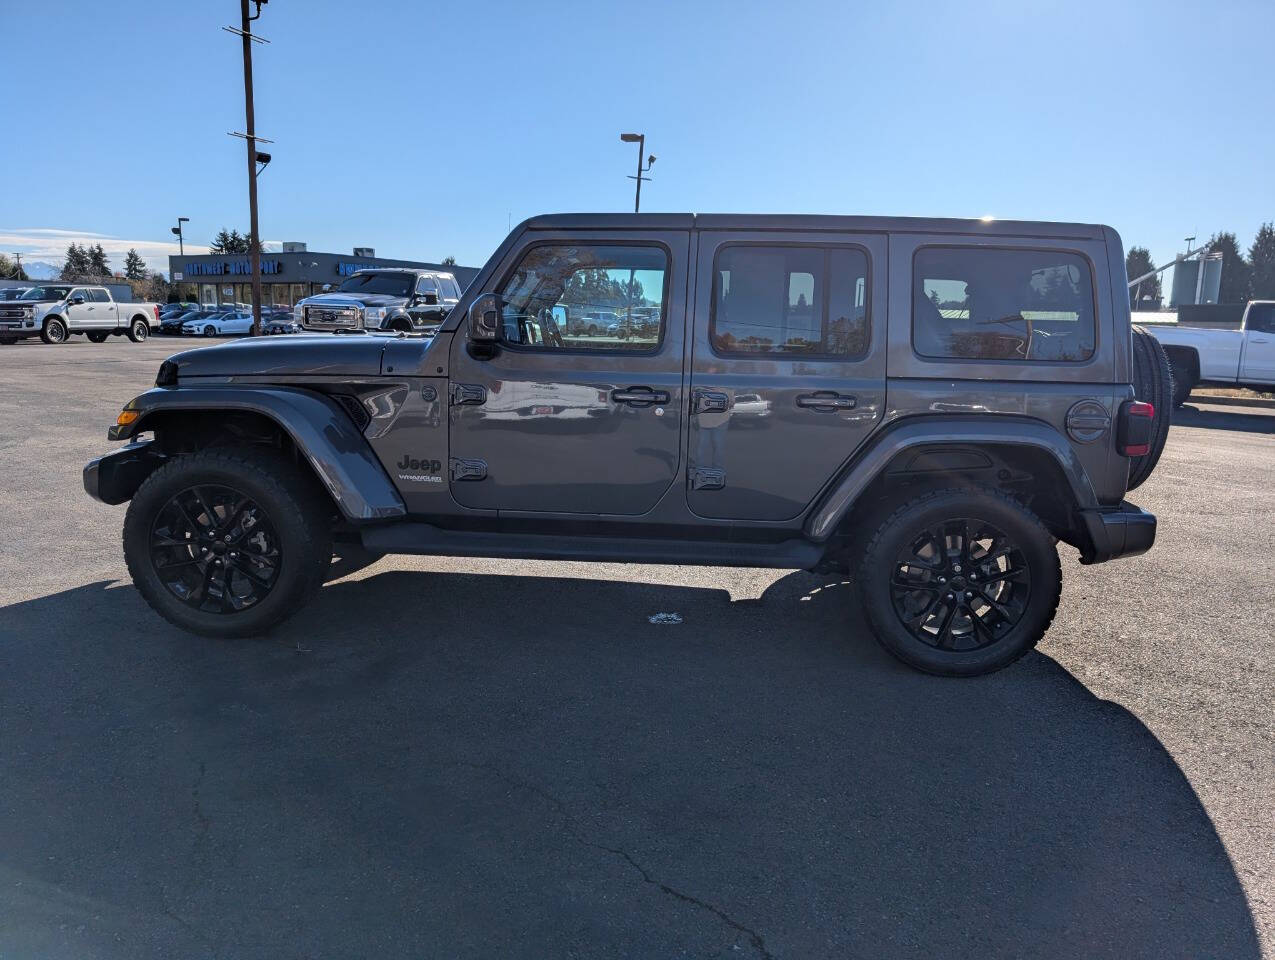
(931, 405)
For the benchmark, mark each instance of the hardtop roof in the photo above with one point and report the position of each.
(793, 222)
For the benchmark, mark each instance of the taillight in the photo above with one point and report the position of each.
(1133, 434)
(155, 308)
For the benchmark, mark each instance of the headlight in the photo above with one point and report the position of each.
(297, 314)
(374, 313)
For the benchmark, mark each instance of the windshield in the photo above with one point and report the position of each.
(390, 284)
(46, 293)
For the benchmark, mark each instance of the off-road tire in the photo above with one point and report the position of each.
(97, 336)
(1152, 383)
(8, 341)
(294, 506)
(139, 331)
(1035, 548)
(54, 331)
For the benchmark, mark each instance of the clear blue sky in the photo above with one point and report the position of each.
(420, 128)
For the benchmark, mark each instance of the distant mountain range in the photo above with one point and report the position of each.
(39, 270)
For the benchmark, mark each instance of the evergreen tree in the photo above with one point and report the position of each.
(1234, 287)
(1261, 263)
(77, 262)
(98, 265)
(1137, 262)
(134, 266)
(449, 261)
(237, 243)
(220, 243)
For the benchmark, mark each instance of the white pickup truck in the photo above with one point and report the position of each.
(1243, 357)
(55, 311)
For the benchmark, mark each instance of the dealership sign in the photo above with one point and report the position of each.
(346, 269)
(238, 267)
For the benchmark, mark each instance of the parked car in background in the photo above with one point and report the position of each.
(280, 324)
(388, 298)
(12, 293)
(1243, 357)
(591, 324)
(55, 312)
(218, 325)
(173, 323)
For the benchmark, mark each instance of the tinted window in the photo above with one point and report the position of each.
(1261, 318)
(98, 295)
(426, 284)
(991, 304)
(389, 284)
(624, 284)
(807, 301)
(450, 290)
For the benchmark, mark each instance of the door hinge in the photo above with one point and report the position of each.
(463, 393)
(707, 478)
(463, 469)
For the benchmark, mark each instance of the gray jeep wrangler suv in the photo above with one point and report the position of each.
(930, 404)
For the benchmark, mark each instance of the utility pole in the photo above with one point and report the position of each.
(640, 140)
(250, 136)
(18, 257)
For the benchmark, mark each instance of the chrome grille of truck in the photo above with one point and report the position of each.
(320, 317)
(12, 311)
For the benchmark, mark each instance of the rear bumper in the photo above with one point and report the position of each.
(115, 477)
(1123, 531)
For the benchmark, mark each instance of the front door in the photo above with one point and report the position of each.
(80, 316)
(557, 420)
(788, 367)
(1257, 363)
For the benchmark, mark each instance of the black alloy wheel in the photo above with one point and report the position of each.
(960, 584)
(215, 549)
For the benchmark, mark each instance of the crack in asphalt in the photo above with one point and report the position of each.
(570, 828)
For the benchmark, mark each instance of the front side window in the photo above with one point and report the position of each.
(425, 285)
(98, 295)
(1261, 318)
(798, 301)
(586, 297)
(995, 304)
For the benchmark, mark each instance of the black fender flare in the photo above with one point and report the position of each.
(394, 315)
(323, 433)
(914, 432)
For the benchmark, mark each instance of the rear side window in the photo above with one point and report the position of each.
(996, 304)
(790, 301)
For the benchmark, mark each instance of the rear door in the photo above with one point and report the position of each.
(555, 420)
(788, 367)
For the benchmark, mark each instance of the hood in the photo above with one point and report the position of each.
(356, 355)
(341, 299)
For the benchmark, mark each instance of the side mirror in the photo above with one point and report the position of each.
(484, 319)
(77, 299)
(429, 299)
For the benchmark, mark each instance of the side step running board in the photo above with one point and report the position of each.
(429, 540)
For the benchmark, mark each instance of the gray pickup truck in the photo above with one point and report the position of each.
(931, 405)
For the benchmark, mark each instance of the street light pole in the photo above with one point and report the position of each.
(640, 140)
(181, 249)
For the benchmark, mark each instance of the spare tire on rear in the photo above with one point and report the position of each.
(1152, 383)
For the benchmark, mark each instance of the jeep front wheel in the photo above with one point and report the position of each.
(227, 542)
(54, 331)
(960, 582)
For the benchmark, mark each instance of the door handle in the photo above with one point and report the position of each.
(826, 401)
(640, 396)
(1258, 340)
(709, 401)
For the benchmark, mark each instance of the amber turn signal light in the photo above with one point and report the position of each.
(126, 417)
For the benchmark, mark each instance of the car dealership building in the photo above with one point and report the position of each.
(286, 277)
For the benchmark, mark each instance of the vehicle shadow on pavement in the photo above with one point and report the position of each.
(1234, 418)
(478, 766)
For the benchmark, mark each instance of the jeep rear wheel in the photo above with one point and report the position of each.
(227, 542)
(960, 582)
(54, 331)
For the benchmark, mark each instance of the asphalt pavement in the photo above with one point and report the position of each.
(475, 759)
